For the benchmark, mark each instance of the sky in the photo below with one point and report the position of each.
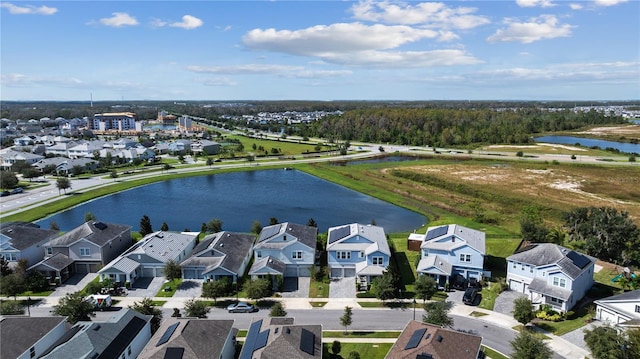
(320, 50)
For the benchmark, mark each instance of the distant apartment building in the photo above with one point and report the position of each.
(115, 121)
(184, 123)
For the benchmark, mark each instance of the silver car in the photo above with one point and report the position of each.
(241, 307)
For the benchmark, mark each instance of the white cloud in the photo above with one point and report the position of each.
(29, 9)
(535, 29)
(535, 3)
(269, 69)
(608, 2)
(574, 6)
(119, 19)
(429, 14)
(21, 80)
(323, 40)
(219, 81)
(158, 23)
(188, 23)
(399, 59)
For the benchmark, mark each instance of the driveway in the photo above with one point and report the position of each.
(75, 283)
(146, 287)
(190, 288)
(504, 302)
(343, 288)
(577, 336)
(295, 287)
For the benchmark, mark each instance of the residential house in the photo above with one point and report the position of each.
(190, 338)
(57, 268)
(357, 250)
(426, 341)
(91, 245)
(29, 337)
(123, 336)
(85, 149)
(149, 256)
(292, 244)
(205, 147)
(550, 274)
(23, 141)
(60, 148)
(9, 157)
(447, 251)
(179, 146)
(620, 310)
(219, 255)
(279, 337)
(20, 240)
(66, 167)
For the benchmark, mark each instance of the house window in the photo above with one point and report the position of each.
(32, 352)
(556, 300)
(637, 308)
(296, 254)
(259, 254)
(49, 250)
(465, 257)
(85, 251)
(559, 282)
(522, 267)
(343, 255)
(129, 350)
(360, 254)
(377, 261)
(10, 256)
(514, 265)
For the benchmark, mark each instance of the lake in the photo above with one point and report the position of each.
(239, 198)
(590, 142)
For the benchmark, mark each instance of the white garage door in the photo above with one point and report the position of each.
(149, 272)
(336, 272)
(516, 286)
(349, 272)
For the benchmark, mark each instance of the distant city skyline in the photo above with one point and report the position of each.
(320, 50)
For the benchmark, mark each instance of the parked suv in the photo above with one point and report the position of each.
(470, 296)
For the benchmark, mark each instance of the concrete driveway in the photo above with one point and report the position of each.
(75, 283)
(504, 302)
(190, 288)
(146, 287)
(293, 287)
(343, 288)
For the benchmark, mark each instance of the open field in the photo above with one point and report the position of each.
(550, 148)
(614, 133)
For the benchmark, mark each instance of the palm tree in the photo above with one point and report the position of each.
(555, 235)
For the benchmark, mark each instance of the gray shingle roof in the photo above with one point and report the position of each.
(18, 334)
(435, 235)
(540, 286)
(200, 338)
(122, 265)
(268, 262)
(305, 234)
(57, 261)
(373, 233)
(24, 235)
(541, 254)
(284, 340)
(434, 261)
(99, 233)
(235, 247)
(164, 246)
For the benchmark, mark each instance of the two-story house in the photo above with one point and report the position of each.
(294, 245)
(149, 256)
(621, 310)
(23, 241)
(550, 274)
(451, 250)
(91, 245)
(357, 250)
(219, 255)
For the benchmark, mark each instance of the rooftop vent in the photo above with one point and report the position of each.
(439, 338)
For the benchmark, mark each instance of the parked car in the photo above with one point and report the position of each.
(470, 296)
(241, 307)
(459, 282)
(474, 283)
(17, 190)
(4, 193)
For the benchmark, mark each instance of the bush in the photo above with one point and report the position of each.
(569, 315)
(11, 307)
(365, 295)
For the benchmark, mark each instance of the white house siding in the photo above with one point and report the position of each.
(607, 315)
(138, 343)
(229, 348)
(45, 342)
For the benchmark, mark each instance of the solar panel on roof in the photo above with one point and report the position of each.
(101, 226)
(578, 259)
(250, 341)
(437, 232)
(424, 356)
(307, 341)
(123, 339)
(270, 231)
(174, 353)
(415, 338)
(261, 340)
(338, 234)
(167, 334)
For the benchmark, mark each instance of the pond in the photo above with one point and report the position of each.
(237, 199)
(590, 142)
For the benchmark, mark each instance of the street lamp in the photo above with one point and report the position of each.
(29, 305)
(414, 308)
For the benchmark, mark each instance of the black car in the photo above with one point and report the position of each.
(17, 190)
(470, 296)
(459, 282)
(4, 193)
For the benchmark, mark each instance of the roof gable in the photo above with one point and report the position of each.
(99, 233)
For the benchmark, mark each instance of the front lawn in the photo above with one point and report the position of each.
(490, 353)
(319, 289)
(360, 334)
(35, 294)
(579, 320)
(366, 350)
(318, 304)
(169, 288)
(489, 295)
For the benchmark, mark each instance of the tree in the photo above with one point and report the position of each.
(437, 313)
(166, 167)
(145, 226)
(164, 226)
(63, 183)
(146, 307)
(88, 217)
(74, 307)
(4, 267)
(520, 154)
(54, 226)
(353, 355)
(196, 308)
(216, 288)
(556, 235)
(604, 342)
(336, 347)
(277, 310)
(11, 285)
(633, 343)
(383, 286)
(531, 225)
(256, 227)
(36, 282)
(77, 170)
(114, 175)
(347, 318)
(209, 161)
(527, 346)
(214, 225)
(523, 310)
(312, 223)
(172, 270)
(273, 220)
(30, 173)
(257, 288)
(8, 179)
(425, 287)
(606, 234)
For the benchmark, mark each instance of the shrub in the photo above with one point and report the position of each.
(569, 315)
(11, 307)
(365, 295)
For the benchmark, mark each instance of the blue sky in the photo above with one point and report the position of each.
(320, 50)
